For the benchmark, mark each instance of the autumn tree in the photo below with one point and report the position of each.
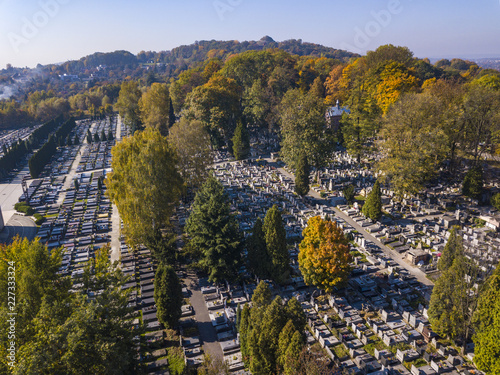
(194, 151)
(241, 142)
(217, 105)
(302, 176)
(414, 145)
(128, 104)
(324, 255)
(373, 205)
(145, 184)
(154, 108)
(168, 296)
(214, 231)
(275, 236)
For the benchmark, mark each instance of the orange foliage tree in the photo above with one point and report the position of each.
(324, 255)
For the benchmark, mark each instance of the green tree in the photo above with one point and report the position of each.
(275, 236)
(241, 142)
(349, 194)
(192, 143)
(284, 340)
(414, 142)
(292, 354)
(454, 300)
(262, 296)
(373, 205)
(304, 130)
(154, 107)
(472, 186)
(495, 201)
(168, 296)
(63, 332)
(487, 327)
(217, 105)
(214, 231)
(324, 255)
(257, 255)
(453, 249)
(302, 176)
(145, 184)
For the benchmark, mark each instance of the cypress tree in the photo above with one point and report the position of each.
(302, 176)
(258, 257)
(373, 205)
(487, 324)
(171, 114)
(454, 248)
(275, 236)
(241, 142)
(168, 296)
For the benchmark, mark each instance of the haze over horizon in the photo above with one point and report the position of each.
(52, 31)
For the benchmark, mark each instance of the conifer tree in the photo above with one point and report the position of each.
(454, 248)
(258, 257)
(373, 206)
(214, 231)
(275, 236)
(241, 142)
(302, 176)
(168, 296)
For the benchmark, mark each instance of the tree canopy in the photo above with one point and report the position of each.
(324, 255)
(214, 231)
(145, 184)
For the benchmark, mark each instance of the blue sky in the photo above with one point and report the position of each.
(50, 31)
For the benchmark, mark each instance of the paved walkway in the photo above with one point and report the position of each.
(115, 217)
(23, 226)
(207, 332)
(72, 171)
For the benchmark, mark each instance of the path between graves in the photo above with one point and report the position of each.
(207, 331)
(115, 217)
(420, 276)
(72, 172)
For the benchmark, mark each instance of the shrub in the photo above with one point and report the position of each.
(39, 219)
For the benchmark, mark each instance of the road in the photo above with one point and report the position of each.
(207, 331)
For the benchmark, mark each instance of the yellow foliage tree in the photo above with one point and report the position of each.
(324, 255)
(145, 184)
